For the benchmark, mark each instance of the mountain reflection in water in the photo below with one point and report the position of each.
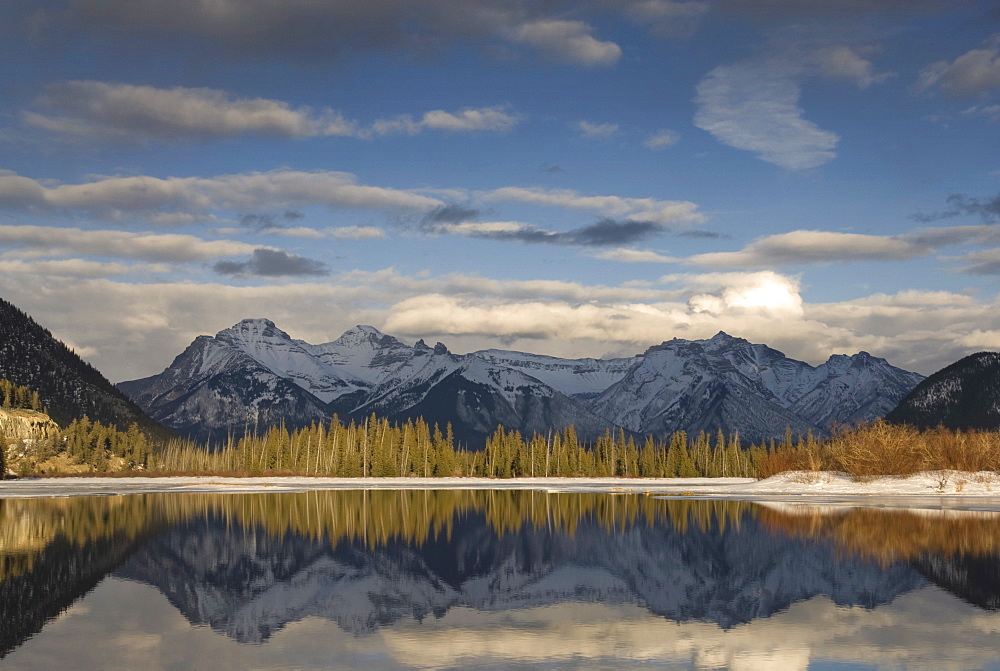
(250, 566)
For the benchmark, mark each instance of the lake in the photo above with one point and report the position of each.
(440, 579)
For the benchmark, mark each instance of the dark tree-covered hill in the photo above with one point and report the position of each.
(964, 395)
(69, 387)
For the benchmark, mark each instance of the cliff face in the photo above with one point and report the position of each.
(19, 429)
(21, 424)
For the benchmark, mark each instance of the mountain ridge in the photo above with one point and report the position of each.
(964, 395)
(253, 374)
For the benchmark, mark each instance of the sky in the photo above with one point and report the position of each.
(568, 178)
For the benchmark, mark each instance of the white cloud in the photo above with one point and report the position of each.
(486, 118)
(125, 112)
(975, 72)
(809, 247)
(845, 62)
(567, 42)
(661, 139)
(466, 120)
(665, 212)
(153, 321)
(48, 241)
(754, 106)
(626, 255)
(597, 131)
(116, 197)
(337, 232)
(74, 268)
(356, 232)
(318, 32)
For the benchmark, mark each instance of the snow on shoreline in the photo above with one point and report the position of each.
(939, 486)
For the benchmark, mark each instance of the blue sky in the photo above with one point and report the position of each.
(577, 179)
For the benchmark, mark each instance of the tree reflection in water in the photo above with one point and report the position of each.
(249, 565)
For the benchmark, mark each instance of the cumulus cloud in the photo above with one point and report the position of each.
(597, 131)
(798, 248)
(463, 121)
(975, 72)
(566, 42)
(116, 197)
(48, 241)
(626, 255)
(309, 30)
(809, 247)
(848, 63)
(271, 263)
(754, 106)
(126, 112)
(661, 139)
(101, 110)
(672, 213)
(155, 320)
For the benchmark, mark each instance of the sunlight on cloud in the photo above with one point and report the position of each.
(626, 255)
(666, 212)
(122, 111)
(113, 197)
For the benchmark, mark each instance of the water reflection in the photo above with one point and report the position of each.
(458, 578)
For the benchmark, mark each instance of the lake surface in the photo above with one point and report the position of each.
(492, 579)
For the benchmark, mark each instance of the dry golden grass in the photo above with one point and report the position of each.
(880, 448)
(889, 536)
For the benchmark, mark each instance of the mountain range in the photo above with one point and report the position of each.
(253, 375)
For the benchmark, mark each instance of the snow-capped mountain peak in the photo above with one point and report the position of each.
(721, 382)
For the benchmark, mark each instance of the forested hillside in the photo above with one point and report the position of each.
(67, 386)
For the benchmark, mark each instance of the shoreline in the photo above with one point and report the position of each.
(941, 487)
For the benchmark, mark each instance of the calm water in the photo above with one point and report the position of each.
(447, 579)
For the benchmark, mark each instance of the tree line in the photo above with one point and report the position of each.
(376, 447)
(379, 448)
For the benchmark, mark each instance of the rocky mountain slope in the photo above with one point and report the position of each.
(964, 395)
(68, 386)
(732, 384)
(254, 375)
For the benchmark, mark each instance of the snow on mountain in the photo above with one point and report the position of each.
(732, 384)
(475, 396)
(572, 377)
(255, 374)
(964, 395)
